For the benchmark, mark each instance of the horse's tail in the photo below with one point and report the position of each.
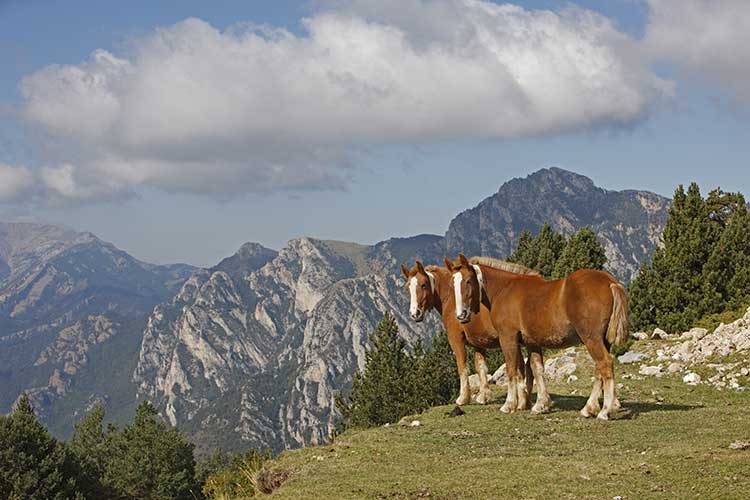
(617, 331)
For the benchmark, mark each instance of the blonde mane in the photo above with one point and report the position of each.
(503, 265)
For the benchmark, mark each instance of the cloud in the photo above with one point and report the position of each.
(255, 109)
(16, 183)
(709, 39)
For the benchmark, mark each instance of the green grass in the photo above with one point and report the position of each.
(669, 441)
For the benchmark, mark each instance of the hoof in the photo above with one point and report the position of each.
(541, 407)
(508, 408)
(603, 415)
(616, 404)
(589, 412)
(483, 398)
(463, 400)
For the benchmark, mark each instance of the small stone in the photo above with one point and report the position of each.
(387, 424)
(632, 357)
(651, 370)
(692, 378)
(456, 412)
(659, 334)
(674, 367)
(740, 445)
(617, 497)
(744, 372)
(572, 378)
(640, 336)
(415, 423)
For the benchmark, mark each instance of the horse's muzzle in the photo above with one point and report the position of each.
(464, 316)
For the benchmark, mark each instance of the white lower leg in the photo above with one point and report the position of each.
(543, 401)
(523, 395)
(609, 398)
(511, 400)
(464, 396)
(484, 387)
(592, 405)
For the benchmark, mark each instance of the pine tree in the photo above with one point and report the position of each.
(148, 460)
(582, 251)
(435, 376)
(384, 391)
(540, 253)
(89, 444)
(525, 253)
(33, 464)
(701, 267)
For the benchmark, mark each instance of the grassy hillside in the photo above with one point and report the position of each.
(670, 440)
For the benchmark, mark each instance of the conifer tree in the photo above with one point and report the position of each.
(525, 253)
(384, 391)
(582, 251)
(33, 464)
(148, 460)
(540, 253)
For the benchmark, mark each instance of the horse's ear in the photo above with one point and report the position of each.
(404, 270)
(463, 260)
(448, 264)
(420, 267)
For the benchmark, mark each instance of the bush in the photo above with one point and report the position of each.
(241, 478)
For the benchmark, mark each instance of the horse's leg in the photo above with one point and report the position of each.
(604, 378)
(480, 365)
(592, 407)
(529, 373)
(458, 344)
(524, 393)
(512, 353)
(543, 401)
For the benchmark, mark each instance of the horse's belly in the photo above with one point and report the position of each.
(559, 336)
(482, 340)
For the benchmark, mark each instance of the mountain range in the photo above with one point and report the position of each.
(252, 351)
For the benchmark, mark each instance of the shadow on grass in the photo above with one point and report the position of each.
(629, 409)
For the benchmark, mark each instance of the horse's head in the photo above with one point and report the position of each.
(466, 287)
(420, 285)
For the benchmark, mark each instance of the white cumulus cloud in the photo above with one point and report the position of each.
(710, 39)
(248, 109)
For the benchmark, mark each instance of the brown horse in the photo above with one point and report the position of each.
(587, 306)
(431, 288)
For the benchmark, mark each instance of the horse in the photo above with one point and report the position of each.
(430, 288)
(587, 306)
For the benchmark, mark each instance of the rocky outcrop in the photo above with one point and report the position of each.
(628, 223)
(701, 350)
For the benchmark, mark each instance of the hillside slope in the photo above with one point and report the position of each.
(670, 440)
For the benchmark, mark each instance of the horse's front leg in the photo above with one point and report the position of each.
(480, 365)
(458, 344)
(513, 359)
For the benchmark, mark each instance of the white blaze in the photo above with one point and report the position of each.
(457, 290)
(413, 294)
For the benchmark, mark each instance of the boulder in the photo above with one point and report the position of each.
(652, 371)
(640, 335)
(632, 357)
(692, 378)
(659, 334)
(694, 334)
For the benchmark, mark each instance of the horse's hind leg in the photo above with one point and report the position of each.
(513, 359)
(604, 380)
(543, 401)
(480, 365)
(458, 345)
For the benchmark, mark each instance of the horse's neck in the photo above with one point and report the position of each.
(494, 282)
(444, 290)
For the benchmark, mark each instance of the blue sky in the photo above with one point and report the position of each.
(673, 112)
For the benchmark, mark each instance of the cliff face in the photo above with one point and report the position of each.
(257, 359)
